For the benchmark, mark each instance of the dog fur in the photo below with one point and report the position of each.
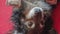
(28, 10)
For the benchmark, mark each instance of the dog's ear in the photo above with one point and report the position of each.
(14, 2)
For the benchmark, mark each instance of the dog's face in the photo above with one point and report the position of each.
(35, 13)
(35, 18)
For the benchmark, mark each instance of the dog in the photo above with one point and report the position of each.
(31, 17)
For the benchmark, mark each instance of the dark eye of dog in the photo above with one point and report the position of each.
(30, 24)
(44, 17)
(42, 23)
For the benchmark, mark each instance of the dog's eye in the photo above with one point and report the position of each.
(30, 24)
(44, 17)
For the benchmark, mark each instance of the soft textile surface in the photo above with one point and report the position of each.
(6, 11)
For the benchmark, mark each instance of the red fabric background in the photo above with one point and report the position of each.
(6, 11)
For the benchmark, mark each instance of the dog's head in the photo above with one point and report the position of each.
(35, 13)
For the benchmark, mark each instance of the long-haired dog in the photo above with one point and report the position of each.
(31, 17)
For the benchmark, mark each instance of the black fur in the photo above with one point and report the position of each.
(17, 14)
